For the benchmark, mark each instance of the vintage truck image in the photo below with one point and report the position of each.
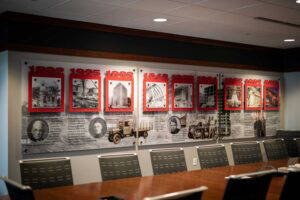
(126, 129)
(204, 129)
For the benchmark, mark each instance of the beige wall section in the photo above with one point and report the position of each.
(85, 166)
(292, 100)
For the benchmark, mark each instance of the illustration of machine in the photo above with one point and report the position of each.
(126, 129)
(204, 129)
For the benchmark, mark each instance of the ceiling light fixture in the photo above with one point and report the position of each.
(298, 1)
(289, 40)
(160, 20)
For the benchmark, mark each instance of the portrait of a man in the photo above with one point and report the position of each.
(37, 130)
(97, 127)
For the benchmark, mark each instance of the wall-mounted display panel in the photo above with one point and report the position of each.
(155, 92)
(207, 93)
(45, 89)
(85, 90)
(271, 95)
(233, 94)
(182, 93)
(253, 94)
(119, 91)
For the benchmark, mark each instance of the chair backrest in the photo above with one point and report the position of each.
(291, 147)
(46, 173)
(246, 152)
(275, 149)
(250, 186)
(291, 186)
(119, 166)
(192, 194)
(212, 156)
(168, 161)
(17, 191)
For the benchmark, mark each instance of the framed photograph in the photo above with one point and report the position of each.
(253, 94)
(233, 94)
(183, 92)
(271, 95)
(45, 89)
(84, 90)
(207, 93)
(155, 90)
(119, 91)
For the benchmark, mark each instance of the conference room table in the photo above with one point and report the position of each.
(140, 187)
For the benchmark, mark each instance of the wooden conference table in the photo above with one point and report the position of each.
(140, 187)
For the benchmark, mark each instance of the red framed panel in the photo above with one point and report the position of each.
(183, 93)
(84, 90)
(253, 94)
(207, 93)
(155, 92)
(233, 94)
(271, 95)
(46, 89)
(119, 91)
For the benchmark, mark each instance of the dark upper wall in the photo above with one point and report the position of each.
(43, 34)
(292, 60)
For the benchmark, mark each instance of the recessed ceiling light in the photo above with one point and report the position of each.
(160, 20)
(289, 40)
(298, 1)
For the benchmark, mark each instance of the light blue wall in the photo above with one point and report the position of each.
(292, 100)
(3, 118)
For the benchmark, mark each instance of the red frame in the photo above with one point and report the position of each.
(233, 82)
(188, 79)
(119, 76)
(47, 72)
(161, 78)
(84, 74)
(256, 83)
(274, 84)
(208, 80)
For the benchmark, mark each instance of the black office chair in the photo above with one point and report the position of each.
(291, 186)
(17, 191)
(275, 149)
(212, 156)
(192, 194)
(298, 145)
(168, 161)
(291, 147)
(249, 186)
(119, 166)
(46, 173)
(246, 152)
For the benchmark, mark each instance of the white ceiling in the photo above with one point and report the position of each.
(227, 20)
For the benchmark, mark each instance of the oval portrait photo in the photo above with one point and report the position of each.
(37, 130)
(97, 127)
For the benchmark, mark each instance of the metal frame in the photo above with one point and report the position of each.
(248, 175)
(14, 183)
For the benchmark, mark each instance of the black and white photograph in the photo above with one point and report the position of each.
(156, 96)
(207, 95)
(204, 127)
(174, 124)
(46, 92)
(85, 93)
(183, 95)
(97, 127)
(37, 130)
(119, 94)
